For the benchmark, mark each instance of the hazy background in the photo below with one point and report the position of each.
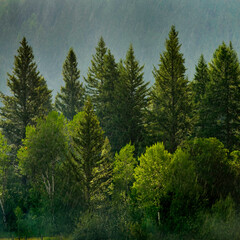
(53, 26)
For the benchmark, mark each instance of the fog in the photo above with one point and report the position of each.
(53, 26)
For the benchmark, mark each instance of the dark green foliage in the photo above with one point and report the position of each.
(30, 96)
(101, 86)
(90, 156)
(41, 159)
(219, 114)
(171, 104)
(199, 86)
(200, 81)
(130, 103)
(94, 78)
(71, 99)
(6, 172)
(66, 181)
(212, 168)
(43, 151)
(106, 104)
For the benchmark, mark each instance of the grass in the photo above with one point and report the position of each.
(44, 238)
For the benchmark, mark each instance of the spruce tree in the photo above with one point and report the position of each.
(30, 96)
(200, 81)
(171, 95)
(199, 85)
(221, 104)
(101, 86)
(90, 155)
(106, 105)
(131, 102)
(71, 99)
(95, 72)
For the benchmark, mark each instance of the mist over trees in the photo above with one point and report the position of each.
(53, 26)
(113, 156)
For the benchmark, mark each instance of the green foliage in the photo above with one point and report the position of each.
(89, 154)
(150, 176)
(219, 115)
(12, 191)
(43, 150)
(92, 227)
(123, 171)
(71, 99)
(212, 168)
(171, 103)
(199, 86)
(105, 100)
(201, 79)
(95, 73)
(222, 222)
(41, 159)
(131, 103)
(30, 96)
(6, 170)
(66, 177)
(184, 190)
(101, 82)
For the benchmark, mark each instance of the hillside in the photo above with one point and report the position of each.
(53, 26)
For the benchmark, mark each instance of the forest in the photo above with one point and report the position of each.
(113, 157)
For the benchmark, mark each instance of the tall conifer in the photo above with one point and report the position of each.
(71, 99)
(94, 77)
(106, 104)
(131, 102)
(90, 159)
(201, 79)
(171, 95)
(221, 107)
(199, 85)
(30, 96)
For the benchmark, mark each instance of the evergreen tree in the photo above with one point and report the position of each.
(95, 72)
(200, 81)
(131, 102)
(221, 107)
(30, 96)
(171, 95)
(101, 83)
(199, 85)
(71, 99)
(106, 104)
(90, 155)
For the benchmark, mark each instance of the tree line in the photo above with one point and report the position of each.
(113, 158)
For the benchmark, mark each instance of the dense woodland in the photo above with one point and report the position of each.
(115, 158)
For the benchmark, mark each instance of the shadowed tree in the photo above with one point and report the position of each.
(171, 105)
(90, 157)
(199, 86)
(130, 103)
(71, 98)
(30, 96)
(219, 114)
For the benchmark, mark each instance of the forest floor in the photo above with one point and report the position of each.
(44, 238)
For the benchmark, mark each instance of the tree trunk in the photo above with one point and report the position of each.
(3, 213)
(159, 218)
